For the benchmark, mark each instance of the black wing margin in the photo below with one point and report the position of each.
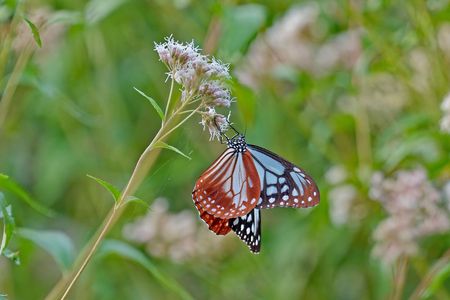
(282, 183)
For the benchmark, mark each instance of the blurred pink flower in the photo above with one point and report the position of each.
(296, 41)
(175, 236)
(413, 207)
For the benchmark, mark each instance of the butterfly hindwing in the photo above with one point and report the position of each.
(217, 225)
(248, 228)
(230, 187)
(282, 183)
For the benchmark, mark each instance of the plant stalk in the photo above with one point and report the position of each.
(399, 279)
(145, 162)
(435, 269)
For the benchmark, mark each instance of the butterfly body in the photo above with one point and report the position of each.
(246, 178)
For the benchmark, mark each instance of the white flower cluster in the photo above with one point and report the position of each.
(295, 42)
(414, 212)
(216, 123)
(174, 236)
(201, 78)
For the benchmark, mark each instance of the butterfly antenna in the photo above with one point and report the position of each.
(234, 129)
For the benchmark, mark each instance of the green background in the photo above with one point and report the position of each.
(75, 112)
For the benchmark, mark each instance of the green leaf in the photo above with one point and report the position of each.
(437, 281)
(130, 199)
(11, 4)
(127, 251)
(153, 102)
(167, 146)
(35, 32)
(10, 185)
(56, 243)
(115, 192)
(240, 25)
(8, 223)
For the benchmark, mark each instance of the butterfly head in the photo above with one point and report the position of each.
(237, 143)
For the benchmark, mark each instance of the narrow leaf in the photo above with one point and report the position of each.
(167, 146)
(153, 102)
(437, 281)
(127, 251)
(130, 199)
(56, 243)
(35, 32)
(8, 223)
(115, 192)
(10, 185)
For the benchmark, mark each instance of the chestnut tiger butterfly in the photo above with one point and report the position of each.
(246, 178)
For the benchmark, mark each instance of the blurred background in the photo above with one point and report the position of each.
(354, 92)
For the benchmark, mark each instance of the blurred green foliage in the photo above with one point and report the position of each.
(75, 112)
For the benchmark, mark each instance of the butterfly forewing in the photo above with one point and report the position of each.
(230, 187)
(282, 183)
(248, 228)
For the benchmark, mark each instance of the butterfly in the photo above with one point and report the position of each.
(246, 178)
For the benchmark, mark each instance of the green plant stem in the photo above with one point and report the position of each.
(12, 83)
(145, 162)
(363, 142)
(399, 278)
(435, 269)
(181, 123)
(169, 98)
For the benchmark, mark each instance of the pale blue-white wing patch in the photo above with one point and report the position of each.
(248, 229)
(282, 183)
